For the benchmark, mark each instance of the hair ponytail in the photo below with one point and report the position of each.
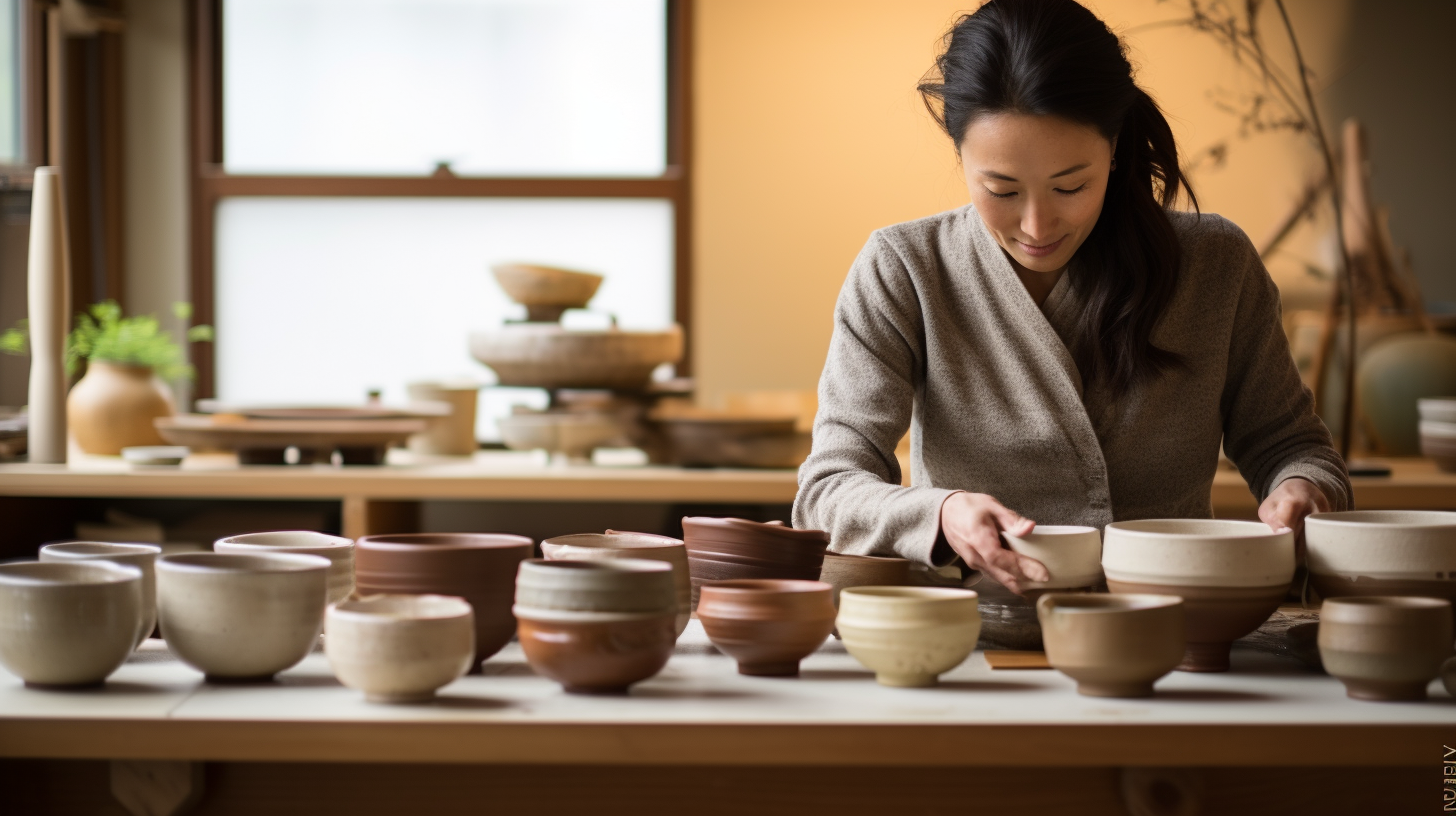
(1055, 58)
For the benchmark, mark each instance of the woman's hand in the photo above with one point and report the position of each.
(1288, 505)
(973, 523)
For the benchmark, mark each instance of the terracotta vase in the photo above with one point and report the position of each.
(1385, 648)
(113, 407)
(909, 636)
(479, 567)
(1383, 552)
(68, 625)
(723, 549)
(768, 626)
(612, 544)
(1112, 645)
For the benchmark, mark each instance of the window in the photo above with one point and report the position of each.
(11, 145)
(360, 164)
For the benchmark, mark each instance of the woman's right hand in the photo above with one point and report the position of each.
(973, 523)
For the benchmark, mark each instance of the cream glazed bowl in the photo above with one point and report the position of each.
(65, 625)
(241, 618)
(399, 648)
(1073, 556)
(339, 551)
(1382, 552)
(612, 544)
(141, 556)
(1231, 576)
(909, 636)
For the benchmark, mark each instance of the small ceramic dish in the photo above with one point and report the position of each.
(68, 625)
(908, 636)
(399, 648)
(1112, 645)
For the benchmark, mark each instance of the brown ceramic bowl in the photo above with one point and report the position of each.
(724, 549)
(596, 652)
(768, 626)
(1112, 645)
(479, 567)
(1385, 648)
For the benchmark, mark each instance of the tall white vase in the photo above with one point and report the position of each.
(49, 288)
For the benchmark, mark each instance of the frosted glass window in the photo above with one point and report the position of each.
(320, 299)
(495, 87)
(9, 81)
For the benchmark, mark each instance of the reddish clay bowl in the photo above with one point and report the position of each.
(596, 652)
(768, 626)
(724, 549)
(479, 567)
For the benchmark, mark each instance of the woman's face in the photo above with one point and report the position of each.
(1038, 183)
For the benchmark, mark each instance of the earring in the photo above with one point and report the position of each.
(1114, 164)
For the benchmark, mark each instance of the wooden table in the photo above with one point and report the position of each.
(1270, 736)
(386, 498)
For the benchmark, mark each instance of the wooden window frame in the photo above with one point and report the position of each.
(208, 183)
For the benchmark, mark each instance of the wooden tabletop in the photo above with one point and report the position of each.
(699, 711)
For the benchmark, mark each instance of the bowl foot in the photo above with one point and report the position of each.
(1384, 691)
(907, 680)
(238, 681)
(786, 669)
(90, 684)
(596, 691)
(1133, 689)
(403, 698)
(1206, 657)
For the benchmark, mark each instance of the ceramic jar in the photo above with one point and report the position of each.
(1231, 575)
(1382, 552)
(141, 556)
(338, 551)
(1385, 648)
(1073, 556)
(767, 625)
(453, 434)
(596, 626)
(909, 636)
(721, 549)
(596, 546)
(112, 407)
(241, 618)
(479, 567)
(1112, 645)
(65, 625)
(399, 648)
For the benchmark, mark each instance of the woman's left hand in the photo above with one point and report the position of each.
(1288, 505)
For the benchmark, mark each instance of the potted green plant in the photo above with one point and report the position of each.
(128, 361)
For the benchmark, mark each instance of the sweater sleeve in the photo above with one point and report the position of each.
(850, 484)
(1270, 428)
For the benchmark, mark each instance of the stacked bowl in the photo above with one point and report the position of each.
(68, 625)
(141, 556)
(612, 544)
(597, 626)
(479, 567)
(721, 549)
(1438, 430)
(1408, 553)
(338, 551)
(1231, 576)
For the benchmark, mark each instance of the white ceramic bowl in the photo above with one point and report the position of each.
(399, 648)
(565, 435)
(909, 636)
(68, 624)
(599, 546)
(1073, 555)
(241, 617)
(1197, 552)
(141, 556)
(1408, 553)
(1438, 409)
(339, 551)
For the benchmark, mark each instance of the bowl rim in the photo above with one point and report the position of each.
(426, 607)
(911, 594)
(1234, 528)
(97, 572)
(1390, 601)
(1101, 603)
(438, 542)
(1352, 519)
(747, 587)
(320, 541)
(614, 541)
(105, 549)
(630, 566)
(216, 563)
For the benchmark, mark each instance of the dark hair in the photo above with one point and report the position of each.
(1055, 58)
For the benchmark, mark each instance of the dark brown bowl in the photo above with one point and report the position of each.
(725, 549)
(479, 567)
(767, 626)
(597, 656)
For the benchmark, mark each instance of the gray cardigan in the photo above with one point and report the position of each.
(934, 331)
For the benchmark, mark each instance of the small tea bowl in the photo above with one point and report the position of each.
(1385, 647)
(598, 546)
(399, 648)
(1073, 556)
(68, 625)
(1112, 645)
(767, 625)
(241, 618)
(141, 556)
(339, 552)
(909, 636)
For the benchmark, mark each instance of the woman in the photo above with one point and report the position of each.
(1067, 349)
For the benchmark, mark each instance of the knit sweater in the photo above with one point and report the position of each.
(934, 331)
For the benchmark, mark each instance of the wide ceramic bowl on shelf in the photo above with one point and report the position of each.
(1382, 552)
(546, 291)
(141, 556)
(339, 552)
(598, 546)
(1385, 648)
(908, 636)
(768, 626)
(1073, 556)
(68, 625)
(399, 648)
(1231, 576)
(1112, 645)
(722, 549)
(545, 355)
(241, 618)
(568, 436)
